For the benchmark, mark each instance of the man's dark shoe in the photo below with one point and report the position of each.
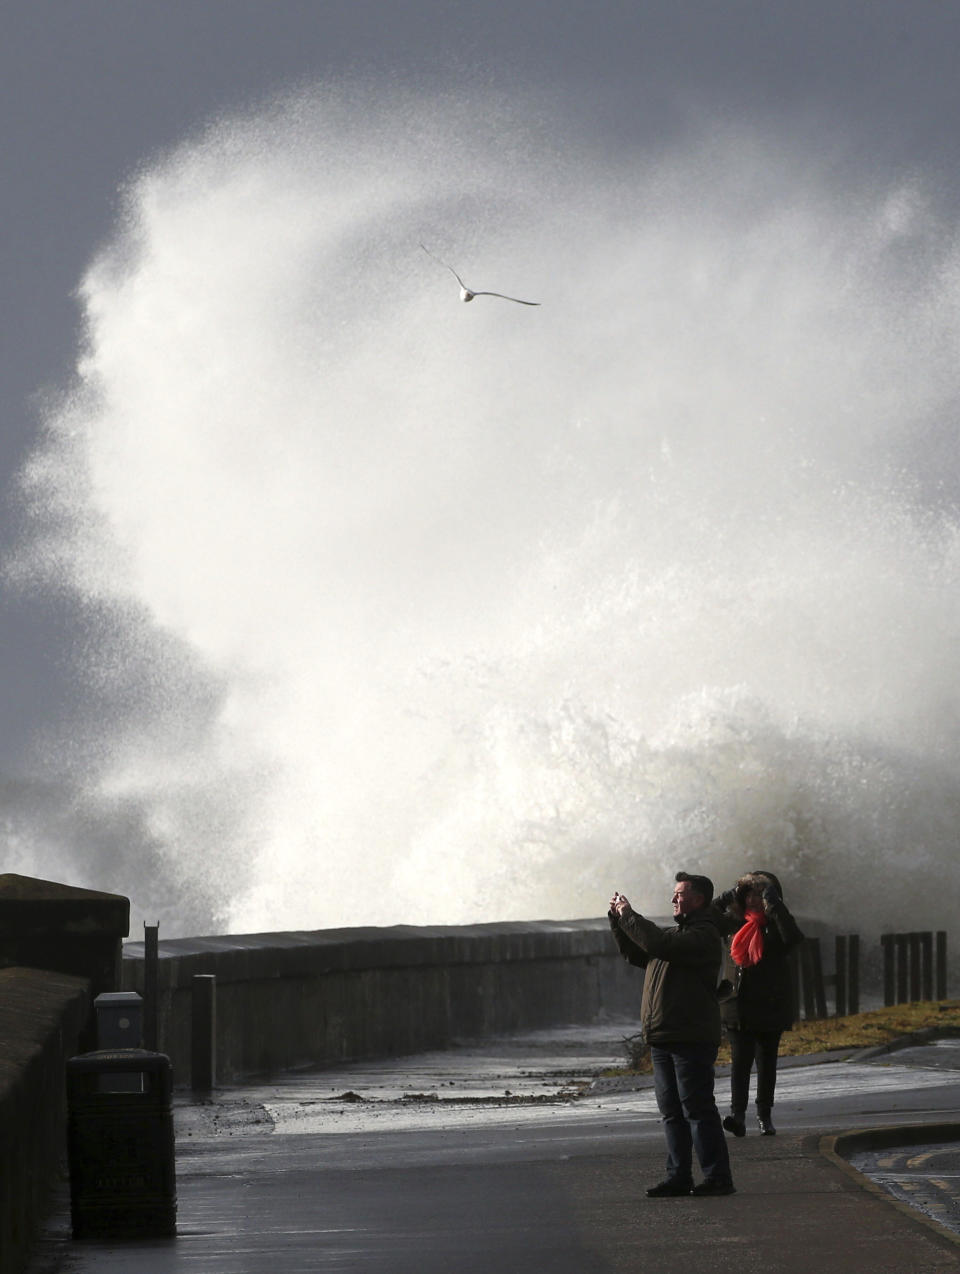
(735, 1125)
(670, 1189)
(707, 1188)
(766, 1127)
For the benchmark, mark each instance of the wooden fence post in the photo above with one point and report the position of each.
(913, 968)
(814, 999)
(913, 946)
(889, 970)
(941, 991)
(819, 994)
(793, 961)
(900, 941)
(840, 963)
(853, 974)
(926, 966)
(847, 977)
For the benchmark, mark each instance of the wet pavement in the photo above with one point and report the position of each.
(943, 1054)
(516, 1155)
(925, 1177)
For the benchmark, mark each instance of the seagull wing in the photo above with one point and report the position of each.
(507, 298)
(445, 266)
(502, 296)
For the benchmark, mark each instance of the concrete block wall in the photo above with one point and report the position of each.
(308, 998)
(42, 1017)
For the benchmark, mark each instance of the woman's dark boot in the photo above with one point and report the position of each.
(765, 1122)
(736, 1123)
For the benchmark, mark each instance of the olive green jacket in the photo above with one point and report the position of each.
(682, 966)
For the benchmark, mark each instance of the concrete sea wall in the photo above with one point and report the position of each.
(42, 1017)
(285, 1000)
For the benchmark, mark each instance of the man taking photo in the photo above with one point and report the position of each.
(680, 1021)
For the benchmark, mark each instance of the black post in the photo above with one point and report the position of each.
(819, 993)
(913, 941)
(854, 974)
(941, 964)
(806, 980)
(901, 943)
(150, 982)
(840, 964)
(814, 1001)
(793, 960)
(889, 980)
(926, 965)
(203, 1038)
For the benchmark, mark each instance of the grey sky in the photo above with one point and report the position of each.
(90, 89)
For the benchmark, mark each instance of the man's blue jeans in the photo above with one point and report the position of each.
(683, 1082)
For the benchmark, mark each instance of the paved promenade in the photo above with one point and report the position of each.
(507, 1159)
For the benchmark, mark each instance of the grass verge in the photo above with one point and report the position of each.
(860, 1030)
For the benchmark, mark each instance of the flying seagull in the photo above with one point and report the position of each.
(467, 294)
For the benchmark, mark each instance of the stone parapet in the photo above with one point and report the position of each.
(47, 925)
(316, 997)
(42, 1015)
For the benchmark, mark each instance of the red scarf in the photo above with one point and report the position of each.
(746, 946)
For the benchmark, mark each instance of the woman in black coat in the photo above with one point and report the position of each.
(761, 1006)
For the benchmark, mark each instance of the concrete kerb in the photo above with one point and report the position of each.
(837, 1148)
(924, 1036)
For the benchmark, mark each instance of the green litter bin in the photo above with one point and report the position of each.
(120, 1145)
